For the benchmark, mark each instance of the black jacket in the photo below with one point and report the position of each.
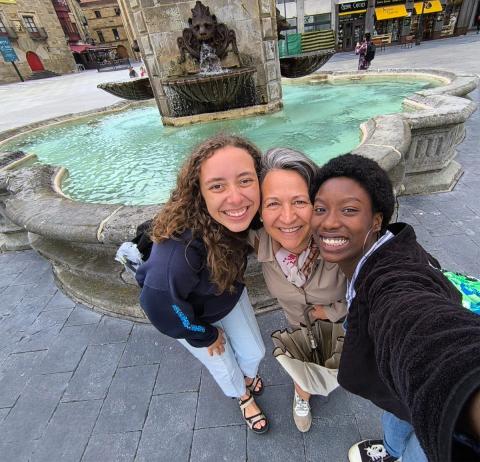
(410, 347)
(177, 295)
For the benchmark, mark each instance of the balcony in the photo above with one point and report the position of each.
(39, 34)
(10, 33)
(60, 5)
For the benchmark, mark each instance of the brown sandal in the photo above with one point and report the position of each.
(251, 421)
(256, 382)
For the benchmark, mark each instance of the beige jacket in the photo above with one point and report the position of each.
(326, 286)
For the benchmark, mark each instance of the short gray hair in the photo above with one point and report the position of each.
(289, 159)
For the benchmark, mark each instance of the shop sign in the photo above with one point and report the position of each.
(7, 50)
(8, 1)
(390, 2)
(352, 7)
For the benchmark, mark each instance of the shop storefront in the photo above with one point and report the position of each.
(431, 14)
(350, 24)
(392, 20)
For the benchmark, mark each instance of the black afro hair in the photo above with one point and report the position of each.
(369, 175)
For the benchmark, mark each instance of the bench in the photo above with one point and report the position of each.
(380, 41)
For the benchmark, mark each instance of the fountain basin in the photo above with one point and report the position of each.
(305, 64)
(217, 88)
(80, 239)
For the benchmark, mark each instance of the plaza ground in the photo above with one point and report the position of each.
(79, 386)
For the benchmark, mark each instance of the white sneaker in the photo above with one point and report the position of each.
(301, 413)
(369, 451)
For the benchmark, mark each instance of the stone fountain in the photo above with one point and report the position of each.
(213, 72)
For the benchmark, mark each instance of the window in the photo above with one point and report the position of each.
(116, 35)
(101, 38)
(30, 24)
(318, 22)
(117, 12)
(98, 14)
(3, 29)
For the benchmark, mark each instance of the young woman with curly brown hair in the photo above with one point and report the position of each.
(192, 284)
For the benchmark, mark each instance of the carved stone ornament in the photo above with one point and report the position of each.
(204, 28)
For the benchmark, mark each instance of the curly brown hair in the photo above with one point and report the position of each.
(186, 210)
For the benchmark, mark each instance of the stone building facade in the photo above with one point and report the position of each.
(106, 27)
(37, 37)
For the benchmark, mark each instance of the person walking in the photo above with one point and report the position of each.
(366, 52)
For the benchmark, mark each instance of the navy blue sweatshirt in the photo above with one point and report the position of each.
(177, 295)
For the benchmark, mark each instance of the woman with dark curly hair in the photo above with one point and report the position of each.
(410, 346)
(192, 284)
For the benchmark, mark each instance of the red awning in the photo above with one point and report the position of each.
(80, 48)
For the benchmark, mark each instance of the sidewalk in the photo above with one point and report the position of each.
(78, 386)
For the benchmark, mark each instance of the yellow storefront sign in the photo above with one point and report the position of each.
(433, 6)
(390, 12)
(8, 1)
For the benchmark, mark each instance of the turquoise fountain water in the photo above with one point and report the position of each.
(130, 158)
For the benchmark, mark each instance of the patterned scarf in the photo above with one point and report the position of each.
(298, 268)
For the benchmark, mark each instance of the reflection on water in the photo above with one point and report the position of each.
(130, 158)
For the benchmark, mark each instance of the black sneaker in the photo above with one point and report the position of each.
(369, 451)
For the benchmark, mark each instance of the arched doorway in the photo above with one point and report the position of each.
(122, 52)
(34, 61)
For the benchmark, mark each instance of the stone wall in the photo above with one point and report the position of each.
(52, 49)
(160, 23)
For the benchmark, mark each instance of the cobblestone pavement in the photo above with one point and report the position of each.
(78, 386)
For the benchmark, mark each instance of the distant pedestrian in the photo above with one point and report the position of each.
(478, 23)
(366, 52)
(143, 72)
(132, 72)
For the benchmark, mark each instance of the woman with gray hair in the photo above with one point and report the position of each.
(292, 267)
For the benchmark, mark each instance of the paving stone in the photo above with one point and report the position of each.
(60, 300)
(111, 330)
(12, 295)
(330, 439)
(270, 369)
(94, 373)
(145, 346)
(227, 444)
(283, 441)
(7, 279)
(3, 413)
(18, 451)
(67, 350)
(33, 273)
(83, 315)
(40, 289)
(68, 432)
(336, 403)
(226, 410)
(368, 417)
(34, 408)
(43, 331)
(127, 401)
(165, 436)
(15, 373)
(174, 379)
(117, 447)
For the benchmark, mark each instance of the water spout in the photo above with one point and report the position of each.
(209, 61)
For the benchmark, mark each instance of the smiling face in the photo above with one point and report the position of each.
(286, 209)
(343, 222)
(229, 186)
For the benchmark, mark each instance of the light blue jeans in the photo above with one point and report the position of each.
(400, 440)
(244, 349)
